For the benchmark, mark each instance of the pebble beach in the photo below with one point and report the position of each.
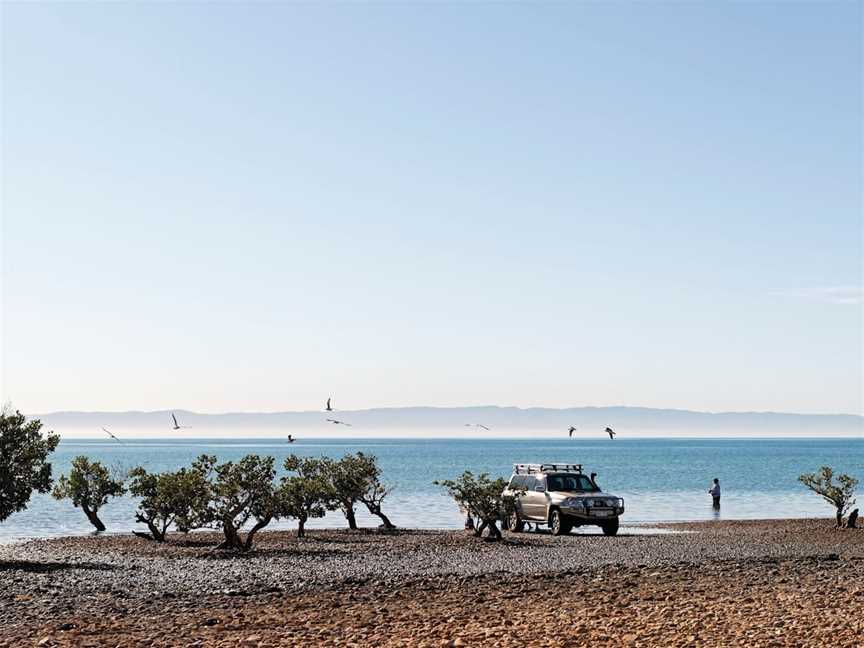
(772, 583)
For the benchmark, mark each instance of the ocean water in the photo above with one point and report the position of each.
(660, 479)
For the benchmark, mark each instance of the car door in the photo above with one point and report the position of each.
(534, 503)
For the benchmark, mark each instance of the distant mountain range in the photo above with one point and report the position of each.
(451, 421)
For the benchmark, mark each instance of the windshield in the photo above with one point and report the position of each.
(570, 483)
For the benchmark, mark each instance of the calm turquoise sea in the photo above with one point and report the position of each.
(660, 479)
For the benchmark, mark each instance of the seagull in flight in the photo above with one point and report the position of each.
(328, 408)
(476, 425)
(335, 422)
(610, 433)
(177, 426)
(111, 435)
(291, 439)
(571, 431)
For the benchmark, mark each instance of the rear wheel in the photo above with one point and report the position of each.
(514, 523)
(610, 528)
(557, 524)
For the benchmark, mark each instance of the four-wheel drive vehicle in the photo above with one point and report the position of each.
(560, 495)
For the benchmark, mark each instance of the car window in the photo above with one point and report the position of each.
(570, 483)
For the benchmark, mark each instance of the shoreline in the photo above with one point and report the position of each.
(371, 588)
(647, 525)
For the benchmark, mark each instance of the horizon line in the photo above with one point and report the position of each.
(446, 407)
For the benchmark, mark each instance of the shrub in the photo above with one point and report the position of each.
(179, 498)
(839, 495)
(89, 485)
(374, 491)
(308, 494)
(348, 482)
(240, 492)
(481, 497)
(23, 460)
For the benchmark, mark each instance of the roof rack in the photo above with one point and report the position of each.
(528, 469)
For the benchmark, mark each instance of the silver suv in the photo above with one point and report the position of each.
(560, 495)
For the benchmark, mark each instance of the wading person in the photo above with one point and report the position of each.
(714, 492)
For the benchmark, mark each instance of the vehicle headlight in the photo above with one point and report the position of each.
(619, 502)
(574, 502)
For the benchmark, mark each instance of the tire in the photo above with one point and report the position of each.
(610, 528)
(558, 525)
(514, 523)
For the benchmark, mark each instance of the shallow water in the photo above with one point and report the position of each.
(660, 479)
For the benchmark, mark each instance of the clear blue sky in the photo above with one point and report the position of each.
(252, 207)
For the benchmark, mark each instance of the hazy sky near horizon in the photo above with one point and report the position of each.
(226, 207)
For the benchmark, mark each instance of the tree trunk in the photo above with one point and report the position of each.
(839, 519)
(494, 532)
(94, 518)
(478, 532)
(376, 510)
(154, 531)
(260, 524)
(349, 515)
(301, 531)
(232, 539)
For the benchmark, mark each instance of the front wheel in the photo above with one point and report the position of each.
(610, 528)
(557, 524)
(514, 523)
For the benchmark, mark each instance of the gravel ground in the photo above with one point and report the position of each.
(103, 590)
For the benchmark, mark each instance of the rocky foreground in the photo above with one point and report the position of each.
(775, 583)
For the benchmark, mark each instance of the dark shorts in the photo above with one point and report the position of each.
(716, 501)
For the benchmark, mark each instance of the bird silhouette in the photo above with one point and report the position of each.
(335, 422)
(610, 433)
(177, 426)
(477, 425)
(571, 431)
(290, 439)
(328, 408)
(111, 435)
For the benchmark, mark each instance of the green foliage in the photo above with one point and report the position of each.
(374, 491)
(89, 485)
(481, 497)
(178, 497)
(308, 493)
(839, 495)
(23, 460)
(349, 478)
(240, 492)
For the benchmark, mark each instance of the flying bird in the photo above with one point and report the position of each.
(335, 422)
(476, 425)
(290, 439)
(328, 408)
(610, 433)
(111, 435)
(177, 426)
(571, 431)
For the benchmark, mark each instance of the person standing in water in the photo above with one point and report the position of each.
(714, 492)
